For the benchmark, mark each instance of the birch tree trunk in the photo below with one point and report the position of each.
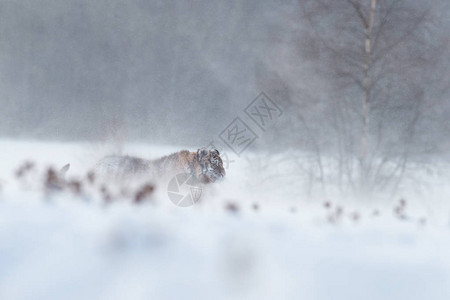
(363, 153)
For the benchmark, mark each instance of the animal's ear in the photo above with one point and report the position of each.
(63, 171)
(216, 151)
(201, 153)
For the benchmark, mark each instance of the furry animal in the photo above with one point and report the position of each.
(204, 165)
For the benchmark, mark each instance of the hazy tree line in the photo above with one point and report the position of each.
(154, 70)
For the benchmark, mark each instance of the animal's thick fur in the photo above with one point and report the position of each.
(205, 165)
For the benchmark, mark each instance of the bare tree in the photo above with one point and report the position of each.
(375, 51)
(368, 87)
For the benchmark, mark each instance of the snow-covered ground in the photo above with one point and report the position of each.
(250, 237)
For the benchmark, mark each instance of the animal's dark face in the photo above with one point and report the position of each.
(211, 163)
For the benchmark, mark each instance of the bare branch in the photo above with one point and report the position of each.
(384, 20)
(359, 12)
(403, 38)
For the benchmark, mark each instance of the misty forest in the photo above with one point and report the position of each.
(224, 149)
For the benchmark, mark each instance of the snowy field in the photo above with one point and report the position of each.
(250, 237)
